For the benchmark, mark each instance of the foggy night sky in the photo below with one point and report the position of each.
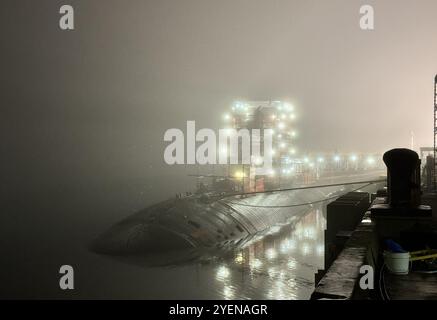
(83, 113)
(93, 104)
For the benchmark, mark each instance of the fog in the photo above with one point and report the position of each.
(83, 112)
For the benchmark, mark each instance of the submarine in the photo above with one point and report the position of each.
(218, 220)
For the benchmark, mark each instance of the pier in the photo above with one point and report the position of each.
(398, 212)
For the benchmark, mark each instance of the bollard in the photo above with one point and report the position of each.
(403, 186)
(403, 178)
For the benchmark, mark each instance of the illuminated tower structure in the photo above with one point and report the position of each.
(278, 116)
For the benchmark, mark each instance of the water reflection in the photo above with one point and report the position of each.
(280, 265)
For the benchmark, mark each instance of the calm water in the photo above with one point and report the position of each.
(280, 265)
(53, 228)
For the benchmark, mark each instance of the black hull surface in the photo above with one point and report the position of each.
(202, 221)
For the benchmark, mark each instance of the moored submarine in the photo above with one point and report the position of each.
(213, 220)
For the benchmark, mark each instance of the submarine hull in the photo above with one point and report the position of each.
(202, 221)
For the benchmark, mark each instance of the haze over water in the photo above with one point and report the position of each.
(279, 265)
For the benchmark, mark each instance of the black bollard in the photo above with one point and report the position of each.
(403, 185)
(403, 178)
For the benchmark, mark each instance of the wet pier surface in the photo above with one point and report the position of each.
(414, 286)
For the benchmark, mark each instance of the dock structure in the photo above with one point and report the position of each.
(341, 281)
(400, 214)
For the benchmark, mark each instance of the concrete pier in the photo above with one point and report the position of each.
(341, 280)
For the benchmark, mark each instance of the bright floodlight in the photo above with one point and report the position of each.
(337, 158)
(282, 145)
(320, 159)
(227, 116)
(288, 106)
(293, 133)
(306, 160)
(281, 125)
(354, 158)
(292, 116)
(239, 174)
(370, 160)
(293, 151)
(257, 160)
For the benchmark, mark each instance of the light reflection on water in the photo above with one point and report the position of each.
(279, 266)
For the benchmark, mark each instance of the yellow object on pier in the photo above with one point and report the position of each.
(423, 255)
